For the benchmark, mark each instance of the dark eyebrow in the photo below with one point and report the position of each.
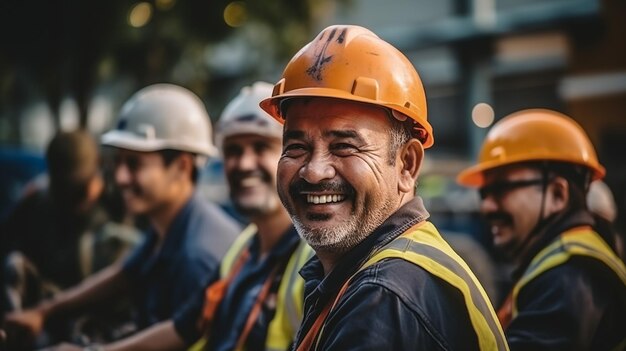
(293, 134)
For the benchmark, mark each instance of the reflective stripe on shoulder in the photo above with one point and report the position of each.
(575, 242)
(423, 246)
(236, 249)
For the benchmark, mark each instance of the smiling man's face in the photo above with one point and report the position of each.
(334, 176)
(250, 164)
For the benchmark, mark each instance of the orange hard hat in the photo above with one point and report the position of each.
(351, 63)
(533, 135)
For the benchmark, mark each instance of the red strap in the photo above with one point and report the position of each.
(505, 312)
(256, 309)
(214, 293)
(263, 294)
(312, 335)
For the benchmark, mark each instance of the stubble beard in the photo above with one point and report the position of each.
(341, 238)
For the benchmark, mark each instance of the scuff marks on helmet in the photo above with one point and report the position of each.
(315, 71)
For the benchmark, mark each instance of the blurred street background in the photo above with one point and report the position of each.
(68, 64)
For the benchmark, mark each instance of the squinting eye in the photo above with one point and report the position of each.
(294, 150)
(231, 151)
(343, 149)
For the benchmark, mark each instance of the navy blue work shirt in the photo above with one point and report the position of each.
(164, 278)
(391, 305)
(240, 297)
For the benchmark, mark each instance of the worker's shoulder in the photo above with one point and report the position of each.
(435, 303)
(411, 283)
(205, 216)
(578, 273)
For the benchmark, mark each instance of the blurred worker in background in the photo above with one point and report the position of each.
(255, 300)
(60, 232)
(533, 175)
(601, 202)
(161, 140)
(355, 129)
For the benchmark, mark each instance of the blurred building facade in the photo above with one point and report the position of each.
(483, 59)
(479, 59)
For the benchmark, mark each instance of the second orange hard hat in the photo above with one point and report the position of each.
(529, 136)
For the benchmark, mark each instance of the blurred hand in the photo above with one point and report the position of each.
(63, 347)
(3, 338)
(22, 328)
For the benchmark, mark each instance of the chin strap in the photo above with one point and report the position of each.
(542, 221)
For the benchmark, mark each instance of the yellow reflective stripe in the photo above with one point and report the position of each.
(571, 243)
(226, 265)
(599, 248)
(488, 330)
(621, 346)
(295, 304)
(199, 345)
(290, 300)
(236, 249)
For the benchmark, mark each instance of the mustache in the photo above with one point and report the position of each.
(237, 176)
(498, 216)
(133, 189)
(299, 186)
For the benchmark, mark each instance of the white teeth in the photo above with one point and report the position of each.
(253, 181)
(323, 199)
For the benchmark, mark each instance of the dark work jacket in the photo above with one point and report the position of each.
(391, 305)
(577, 305)
(164, 279)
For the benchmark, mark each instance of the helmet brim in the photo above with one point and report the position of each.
(272, 106)
(129, 141)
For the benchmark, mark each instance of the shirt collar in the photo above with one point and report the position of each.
(550, 231)
(404, 218)
(284, 246)
(178, 228)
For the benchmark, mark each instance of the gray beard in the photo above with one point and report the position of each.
(345, 236)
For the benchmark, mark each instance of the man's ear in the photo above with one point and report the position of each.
(559, 192)
(185, 164)
(409, 163)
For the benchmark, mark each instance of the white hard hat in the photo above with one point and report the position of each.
(243, 115)
(160, 117)
(600, 200)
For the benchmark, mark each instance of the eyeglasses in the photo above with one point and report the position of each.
(499, 189)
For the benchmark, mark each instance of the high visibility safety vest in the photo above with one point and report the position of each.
(423, 246)
(581, 242)
(289, 300)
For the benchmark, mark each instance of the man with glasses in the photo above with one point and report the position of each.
(533, 173)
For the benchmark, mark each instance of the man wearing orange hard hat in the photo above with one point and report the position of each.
(355, 130)
(533, 174)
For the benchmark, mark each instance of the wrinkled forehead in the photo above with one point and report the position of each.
(323, 114)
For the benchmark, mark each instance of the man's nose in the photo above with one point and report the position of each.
(122, 174)
(247, 160)
(488, 203)
(318, 168)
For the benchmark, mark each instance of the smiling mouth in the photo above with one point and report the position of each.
(324, 199)
(250, 182)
